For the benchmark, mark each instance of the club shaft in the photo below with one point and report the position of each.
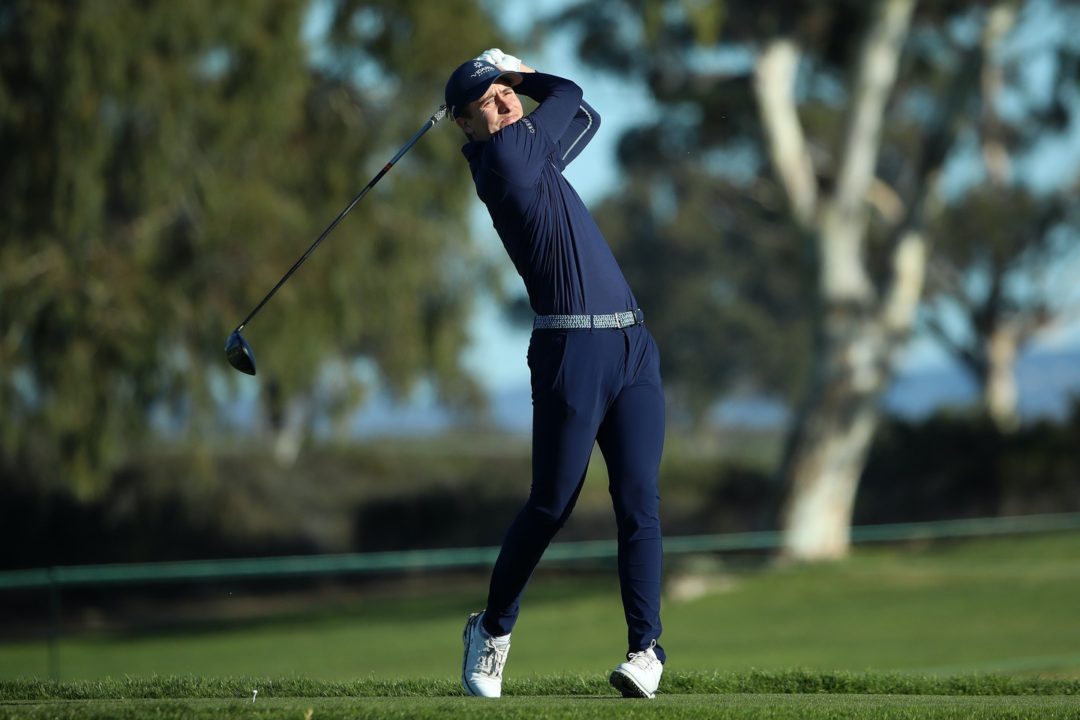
(431, 122)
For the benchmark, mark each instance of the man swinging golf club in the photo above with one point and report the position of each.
(595, 368)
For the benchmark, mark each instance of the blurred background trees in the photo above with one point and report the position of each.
(1006, 240)
(165, 163)
(817, 184)
(823, 135)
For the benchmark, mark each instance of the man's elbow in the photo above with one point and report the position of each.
(591, 117)
(572, 90)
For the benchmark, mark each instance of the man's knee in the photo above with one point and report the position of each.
(638, 525)
(633, 496)
(545, 516)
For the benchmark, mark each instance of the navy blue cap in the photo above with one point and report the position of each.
(470, 81)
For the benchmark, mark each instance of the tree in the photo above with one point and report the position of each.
(998, 252)
(854, 108)
(998, 246)
(165, 163)
(858, 325)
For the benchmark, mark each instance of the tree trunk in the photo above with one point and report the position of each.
(827, 451)
(828, 448)
(1001, 397)
(286, 424)
(831, 438)
(1000, 394)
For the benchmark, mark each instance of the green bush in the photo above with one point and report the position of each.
(957, 467)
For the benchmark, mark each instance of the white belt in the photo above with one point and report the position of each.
(587, 322)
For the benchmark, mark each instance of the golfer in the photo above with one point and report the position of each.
(595, 368)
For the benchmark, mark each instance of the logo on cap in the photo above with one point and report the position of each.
(481, 69)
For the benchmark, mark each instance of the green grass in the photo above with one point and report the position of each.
(688, 707)
(746, 695)
(799, 682)
(975, 629)
(1005, 605)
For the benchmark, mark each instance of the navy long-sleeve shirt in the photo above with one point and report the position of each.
(548, 232)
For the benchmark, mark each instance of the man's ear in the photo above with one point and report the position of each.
(463, 123)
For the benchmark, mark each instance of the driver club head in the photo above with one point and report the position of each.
(239, 353)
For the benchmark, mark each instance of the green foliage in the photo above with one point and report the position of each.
(1000, 254)
(951, 467)
(359, 498)
(165, 163)
(1004, 234)
(395, 495)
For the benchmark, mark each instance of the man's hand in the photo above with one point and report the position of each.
(501, 60)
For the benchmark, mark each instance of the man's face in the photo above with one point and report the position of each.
(497, 108)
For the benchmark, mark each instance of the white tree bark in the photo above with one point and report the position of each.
(1000, 20)
(827, 450)
(774, 83)
(288, 439)
(909, 268)
(1001, 396)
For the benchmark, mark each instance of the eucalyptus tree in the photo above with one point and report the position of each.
(851, 110)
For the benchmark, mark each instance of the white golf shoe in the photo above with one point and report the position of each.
(639, 676)
(485, 656)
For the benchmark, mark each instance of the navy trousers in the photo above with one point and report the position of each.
(591, 386)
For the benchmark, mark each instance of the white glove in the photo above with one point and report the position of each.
(501, 60)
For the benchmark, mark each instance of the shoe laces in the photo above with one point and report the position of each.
(644, 659)
(492, 658)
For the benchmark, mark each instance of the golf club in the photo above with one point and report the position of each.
(237, 349)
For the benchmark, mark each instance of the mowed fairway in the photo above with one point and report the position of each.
(890, 633)
(555, 697)
(688, 707)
